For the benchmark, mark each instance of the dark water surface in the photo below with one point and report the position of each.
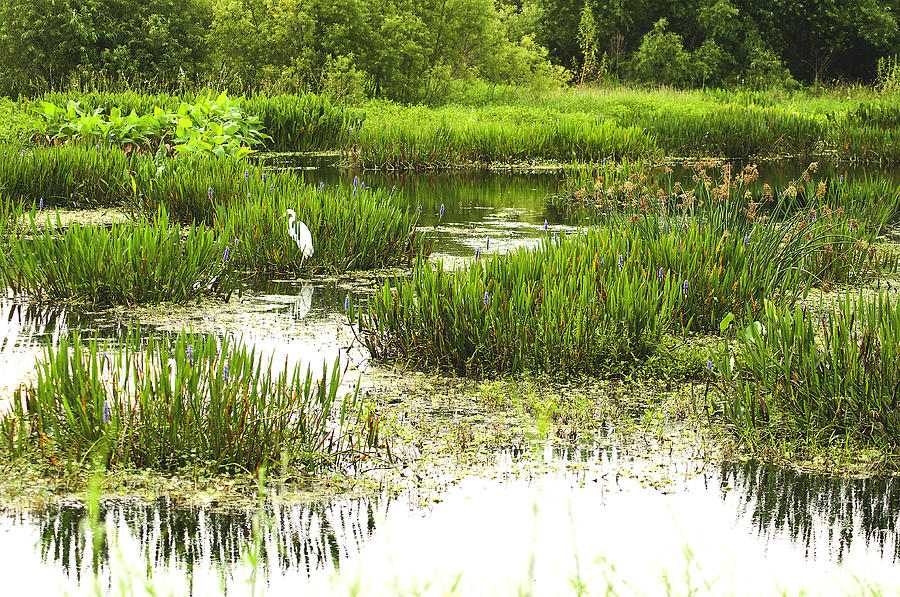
(537, 522)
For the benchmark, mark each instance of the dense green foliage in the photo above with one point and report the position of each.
(290, 122)
(213, 126)
(197, 401)
(417, 50)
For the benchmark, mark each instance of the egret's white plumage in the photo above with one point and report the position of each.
(299, 232)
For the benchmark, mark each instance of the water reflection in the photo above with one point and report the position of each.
(815, 510)
(298, 538)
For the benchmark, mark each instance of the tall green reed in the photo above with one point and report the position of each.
(123, 263)
(71, 175)
(193, 400)
(813, 375)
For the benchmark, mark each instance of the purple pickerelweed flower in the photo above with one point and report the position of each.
(98, 149)
(746, 239)
(190, 353)
(487, 298)
(620, 261)
(546, 226)
(248, 195)
(420, 209)
(271, 187)
(661, 273)
(264, 177)
(842, 178)
(106, 412)
(394, 188)
(684, 288)
(355, 181)
(709, 364)
(210, 193)
(477, 253)
(555, 235)
(347, 303)
(225, 371)
(487, 244)
(246, 174)
(354, 192)
(442, 209)
(362, 185)
(41, 203)
(350, 130)
(225, 256)
(603, 261)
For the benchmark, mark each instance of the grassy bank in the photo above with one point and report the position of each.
(564, 126)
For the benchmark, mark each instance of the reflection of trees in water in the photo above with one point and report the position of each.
(21, 324)
(818, 511)
(312, 536)
(27, 324)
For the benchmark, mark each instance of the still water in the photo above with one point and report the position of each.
(544, 521)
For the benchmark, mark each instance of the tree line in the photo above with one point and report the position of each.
(424, 50)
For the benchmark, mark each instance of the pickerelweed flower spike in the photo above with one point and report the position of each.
(684, 288)
(487, 298)
(190, 353)
(41, 204)
(442, 209)
(264, 177)
(246, 174)
(225, 256)
(355, 181)
(488, 243)
(106, 412)
(546, 226)
(842, 178)
(620, 261)
(477, 253)
(662, 273)
(210, 193)
(709, 364)
(347, 303)
(603, 261)
(226, 372)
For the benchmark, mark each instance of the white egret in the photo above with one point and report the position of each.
(298, 231)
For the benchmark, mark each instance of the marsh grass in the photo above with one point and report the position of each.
(122, 263)
(601, 299)
(164, 403)
(825, 228)
(807, 376)
(579, 304)
(352, 227)
(424, 140)
(75, 175)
